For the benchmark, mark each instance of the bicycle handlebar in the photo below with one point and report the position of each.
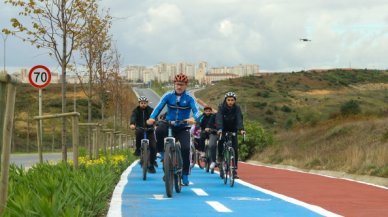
(144, 128)
(173, 123)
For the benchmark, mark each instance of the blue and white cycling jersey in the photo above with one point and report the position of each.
(179, 107)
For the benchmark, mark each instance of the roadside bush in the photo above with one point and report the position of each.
(286, 109)
(350, 107)
(257, 139)
(58, 190)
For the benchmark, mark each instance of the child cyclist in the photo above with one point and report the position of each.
(229, 118)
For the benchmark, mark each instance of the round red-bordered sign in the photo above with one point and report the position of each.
(39, 76)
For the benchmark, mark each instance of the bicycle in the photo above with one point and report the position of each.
(228, 164)
(204, 161)
(145, 151)
(172, 162)
(193, 155)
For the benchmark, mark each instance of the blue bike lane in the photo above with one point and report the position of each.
(205, 196)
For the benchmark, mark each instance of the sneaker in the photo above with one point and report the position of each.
(185, 180)
(151, 169)
(222, 174)
(212, 165)
(137, 152)
(235, 176)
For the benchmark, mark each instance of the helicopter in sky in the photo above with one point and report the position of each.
(304, 39)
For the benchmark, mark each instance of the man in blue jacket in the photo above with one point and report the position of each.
(179, 105)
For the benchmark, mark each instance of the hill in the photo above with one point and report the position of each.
(335, 119)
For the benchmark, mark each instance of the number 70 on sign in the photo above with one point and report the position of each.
(39, 76)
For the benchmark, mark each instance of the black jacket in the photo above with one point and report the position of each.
(204, 120)
(140, 116)
(229, 119)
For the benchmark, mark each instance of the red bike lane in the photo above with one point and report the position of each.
(340, 196)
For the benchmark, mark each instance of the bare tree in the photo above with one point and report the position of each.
(55, 25)
(95, 40)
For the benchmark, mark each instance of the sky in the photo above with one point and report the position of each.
(346, 33)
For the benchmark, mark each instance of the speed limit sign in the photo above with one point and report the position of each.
(39, 76)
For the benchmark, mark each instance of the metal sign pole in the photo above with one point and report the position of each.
(40, 114)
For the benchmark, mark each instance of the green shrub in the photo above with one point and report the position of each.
(257, 139)
(350, 107)
(260, 105)
(286, 109)
(58, 190)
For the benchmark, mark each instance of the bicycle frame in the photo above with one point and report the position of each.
(228, 164)
(145, 151)
(173, 162)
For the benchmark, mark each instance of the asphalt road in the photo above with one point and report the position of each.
(28, 160)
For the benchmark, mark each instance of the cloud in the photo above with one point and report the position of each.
(264, 32)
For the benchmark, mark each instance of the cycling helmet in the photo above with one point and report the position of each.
(142, 99)
(181, 78)
(230, 94)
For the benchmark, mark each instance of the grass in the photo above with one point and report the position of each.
(349, 145)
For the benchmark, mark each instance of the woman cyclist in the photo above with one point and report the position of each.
(229, 118)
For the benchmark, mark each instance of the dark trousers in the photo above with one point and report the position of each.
(151, 138)
(201, 141)
(234, 145)
(213, 139)
(183, 136)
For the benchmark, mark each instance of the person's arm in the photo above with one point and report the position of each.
(219, 119)
(194, 108)
(159, 107)
(133, 117)
(240, 124)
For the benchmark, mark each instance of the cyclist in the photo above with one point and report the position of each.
(138, 119)
(209, 125)
(180, 104)
(195, 133)
(229, 118)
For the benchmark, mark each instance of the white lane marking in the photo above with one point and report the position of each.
(311, 207)
(191, 183)
(116, 201)
(249, 198)
(199, 192)
(219, 207)
(159, 197)
(312, 173)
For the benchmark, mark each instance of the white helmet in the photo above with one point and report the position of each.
(230, 94)
(143, 99)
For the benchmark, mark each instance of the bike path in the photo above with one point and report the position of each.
(205, 196)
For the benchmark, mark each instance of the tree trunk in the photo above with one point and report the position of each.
(28, 132)
(64, 63)
(90, 110)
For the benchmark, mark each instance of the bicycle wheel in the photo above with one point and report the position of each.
(168, 171)
(193, 157)
(177, 164)
(232, 167)
(208, 160)
(144, 156)
(225, 166)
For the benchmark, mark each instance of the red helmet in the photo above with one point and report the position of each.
(207, 107)
(181, 78)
